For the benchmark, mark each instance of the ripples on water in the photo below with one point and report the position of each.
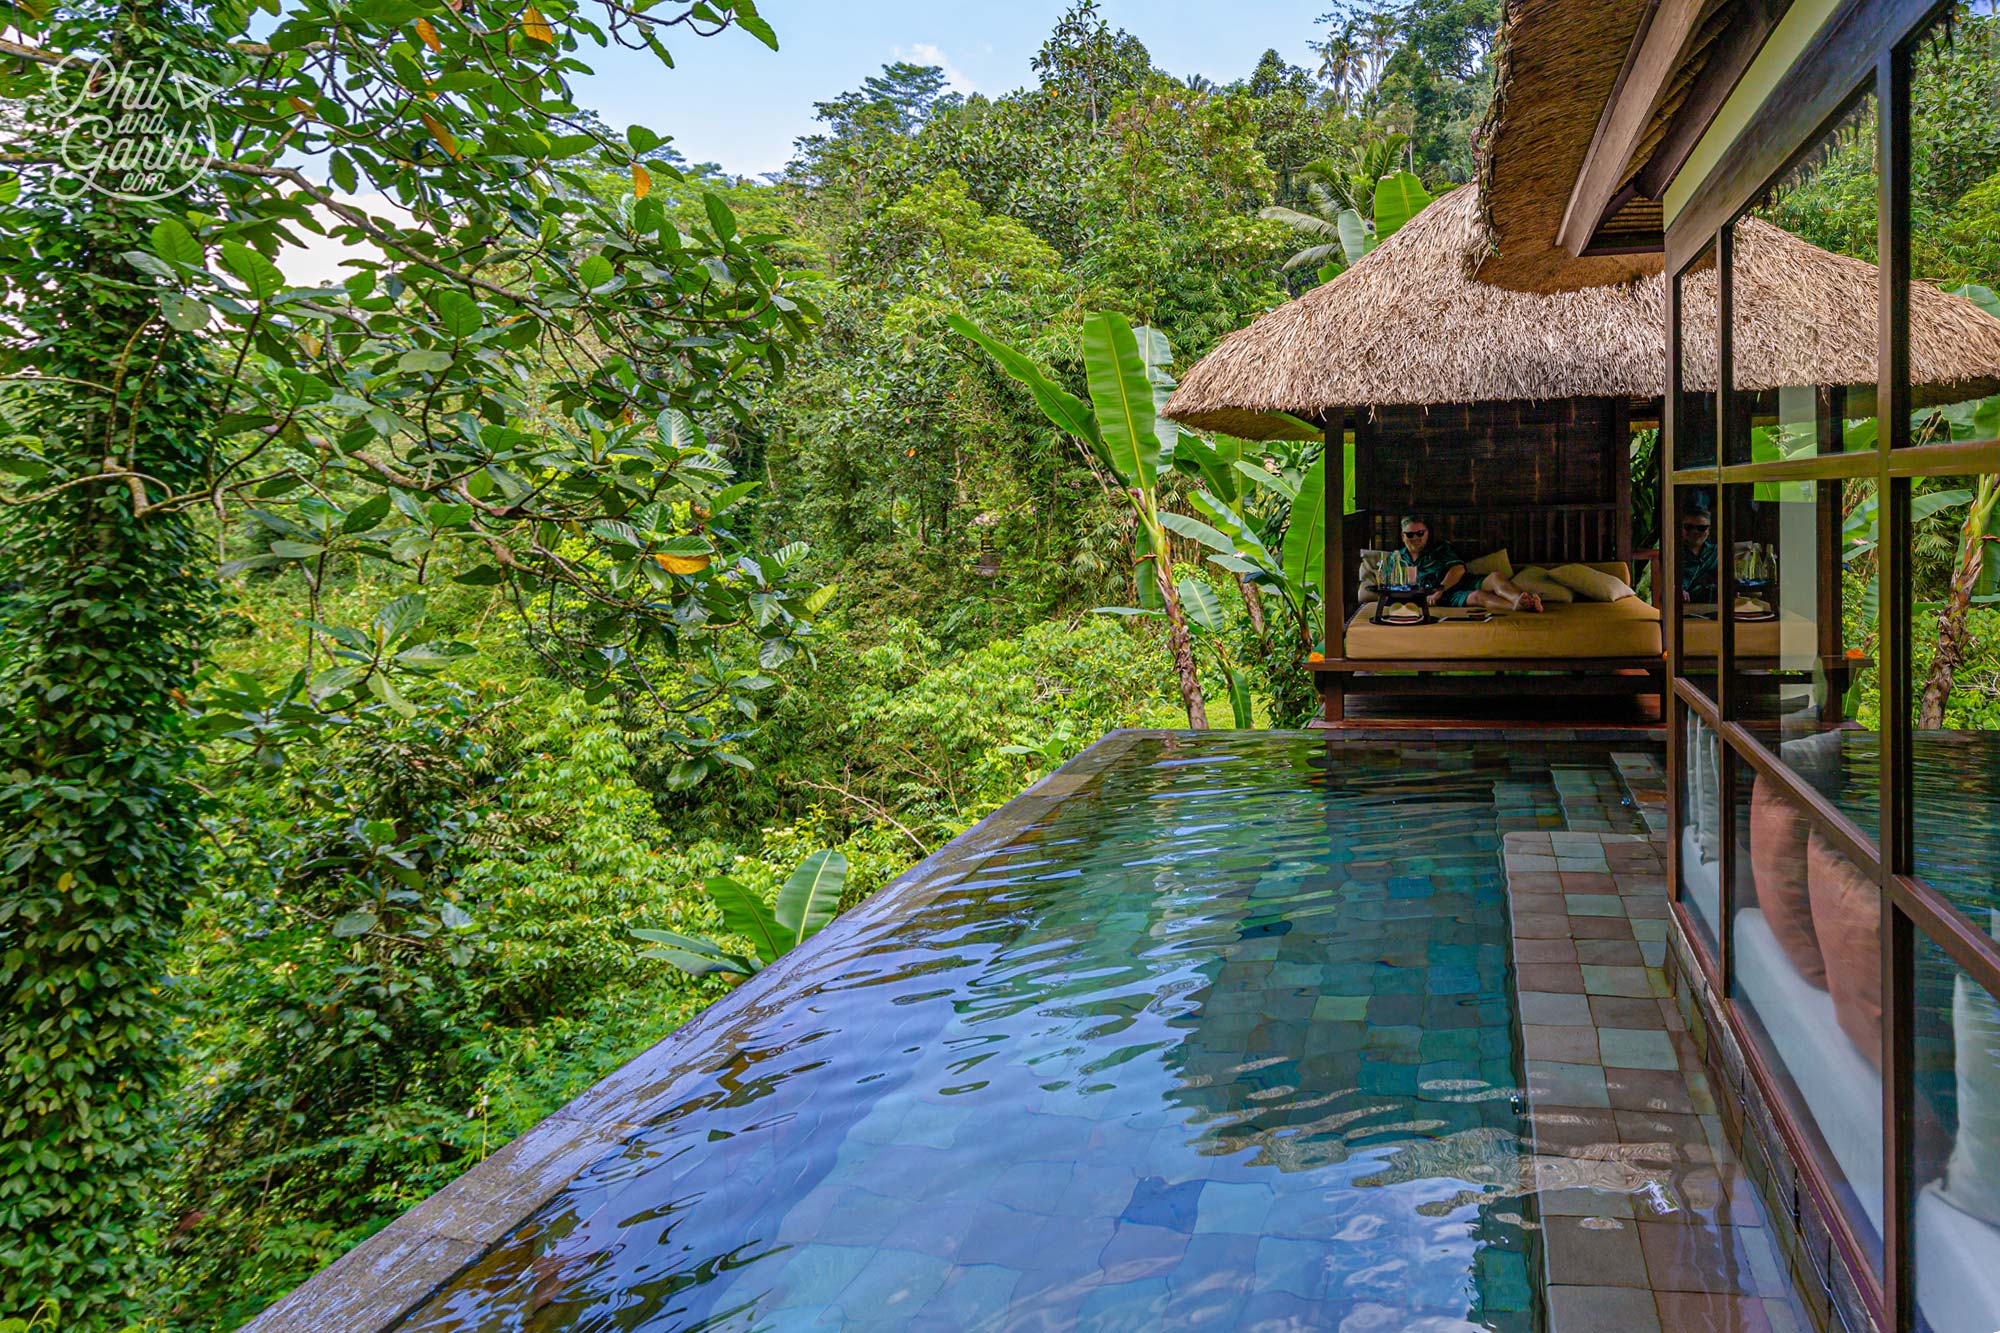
(1226, 1038)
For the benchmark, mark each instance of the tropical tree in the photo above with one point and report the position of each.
(1123, 432)
(508, 390)
(1344, 233)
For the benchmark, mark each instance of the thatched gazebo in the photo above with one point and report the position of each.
(1506, 414)
(1412, 326)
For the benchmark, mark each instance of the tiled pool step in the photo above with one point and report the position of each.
(1650, 1224)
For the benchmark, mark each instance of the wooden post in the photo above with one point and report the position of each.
(1830, 426)
(1620, 429)
(1334, 601)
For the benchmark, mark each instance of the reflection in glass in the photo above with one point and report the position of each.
(1805, 945)
(1802, 354)
(1955, 686)
(1955, 1223)
(1798, 655)
(1701, 826)
(1700, 355)
(1699, 571)
(1955, 227)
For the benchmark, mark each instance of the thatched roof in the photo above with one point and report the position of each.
(1411, 325)
(1558, 62)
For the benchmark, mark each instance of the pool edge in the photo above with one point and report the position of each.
(382, 1280)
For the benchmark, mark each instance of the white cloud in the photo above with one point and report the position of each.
(929, 53)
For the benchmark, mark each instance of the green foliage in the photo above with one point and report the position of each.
(804, 907)
(508, 391)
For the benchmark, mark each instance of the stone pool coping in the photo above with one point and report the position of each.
(380, 1281)
(1649, 1220)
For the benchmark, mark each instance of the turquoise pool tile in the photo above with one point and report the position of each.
(1340, 1008)
(816, 1274)
(1240, 1209)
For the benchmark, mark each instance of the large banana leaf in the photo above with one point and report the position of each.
(1212, 462)
(1196, 530)
(696, 957)
(1157, 354)
(744, 913)
(1305, 535)
(1202, 607)
(1242, 536)
(1058, 404)
(1398, 198)
(1355, 238)
(1271, 482)
(1122, 397)
(807, 901)
(1239, 698)
(1145, 571)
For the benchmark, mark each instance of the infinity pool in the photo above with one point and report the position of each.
(1222, 1036)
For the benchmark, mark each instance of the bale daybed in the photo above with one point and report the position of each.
(1506, 417)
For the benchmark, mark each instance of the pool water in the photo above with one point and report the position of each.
(1225, 1036)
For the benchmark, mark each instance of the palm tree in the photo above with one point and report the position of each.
(1342, 198)
(1343, 221)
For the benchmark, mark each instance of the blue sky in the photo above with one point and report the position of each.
(734, 102)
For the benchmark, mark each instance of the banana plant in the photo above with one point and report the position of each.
(804, 907)
(1345, 236)
(1204, 612)
(1123, 431)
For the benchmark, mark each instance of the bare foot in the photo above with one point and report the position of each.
(1528, 601)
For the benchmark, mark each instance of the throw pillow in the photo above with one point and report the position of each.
(1617, 569)
(1847, 920)
(1494, 563)
(1537, 580)
(1592, 585)
(1778, 865)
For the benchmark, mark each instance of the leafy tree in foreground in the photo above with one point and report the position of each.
(505, 391)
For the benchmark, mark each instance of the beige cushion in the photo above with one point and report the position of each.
(1536, 580)
(1617, 569)
(1592, 585)
(1495, 563)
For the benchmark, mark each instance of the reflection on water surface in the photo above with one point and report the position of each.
(1227, 1037)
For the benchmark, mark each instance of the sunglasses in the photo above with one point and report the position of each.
(1415, 532)
(1694, 527)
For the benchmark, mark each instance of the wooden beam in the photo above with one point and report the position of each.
(1651, 62)
(1728, 59)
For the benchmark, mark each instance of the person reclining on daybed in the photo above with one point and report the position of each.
(1441, 574)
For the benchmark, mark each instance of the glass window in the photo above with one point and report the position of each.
(1805, 949)
(1801, 660)
(1955, 1227)
(1955, 687)
(1701, 826)
(1802, 324)
(1694, 404)
(1699, 563)
(1955, 227)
